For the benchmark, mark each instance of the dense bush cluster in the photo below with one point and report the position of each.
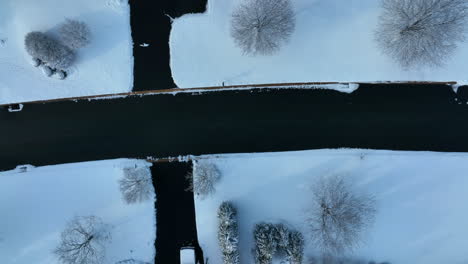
(228, 237)
(54, 56)
(48, 50)
(271, 240)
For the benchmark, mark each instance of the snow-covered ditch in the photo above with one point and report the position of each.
(420, 200)
(333, 41)
(37, 203)
(104, 66)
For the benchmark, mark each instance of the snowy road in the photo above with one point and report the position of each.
(385, 116)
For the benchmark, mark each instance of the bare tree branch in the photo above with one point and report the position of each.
(421, 32)
(136, 185)
(203, 179)
(262, 26)
(82, 241)
(338, 216)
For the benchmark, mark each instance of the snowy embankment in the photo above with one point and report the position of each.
(333, 41)
(39, 202)
(420, 197)
(104, 66)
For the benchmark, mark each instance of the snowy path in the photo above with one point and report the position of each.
(421, 200)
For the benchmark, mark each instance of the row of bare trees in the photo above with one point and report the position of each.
(338, 217)
(412, 32)
(83, 239)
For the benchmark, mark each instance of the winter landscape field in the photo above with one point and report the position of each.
(420, 199)
(332, 41)
(104, 66)
(41, 202)
(303, 87)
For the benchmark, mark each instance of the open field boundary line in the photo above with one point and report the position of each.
(174, 91)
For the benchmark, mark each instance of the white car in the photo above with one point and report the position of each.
(187, 255)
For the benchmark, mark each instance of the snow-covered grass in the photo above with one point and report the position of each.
(104, 66)
(333, 41)
(37, 203)
(420, 196)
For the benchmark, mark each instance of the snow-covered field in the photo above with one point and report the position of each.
(36, 206)
(333, 41)
(421, 200)
(105, 66)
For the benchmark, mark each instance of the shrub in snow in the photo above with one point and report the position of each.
(265, 243)
(36, 62)
(46, 70)
(203, 179)
(48, 50)
(338, 215)
(421, 32)
(295, 247)
(59, 74)
(262, 26)
(281, 233)
(82, 241)
(279, 240)
(75, 34)
(228, 237)
(136, 184)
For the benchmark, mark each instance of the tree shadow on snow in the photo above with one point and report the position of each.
(339, 260)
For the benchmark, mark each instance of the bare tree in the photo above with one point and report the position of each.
(203, 178)
(136, 184)
(262, 26)
(82, 241)
(421, 32)
(338, 216)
